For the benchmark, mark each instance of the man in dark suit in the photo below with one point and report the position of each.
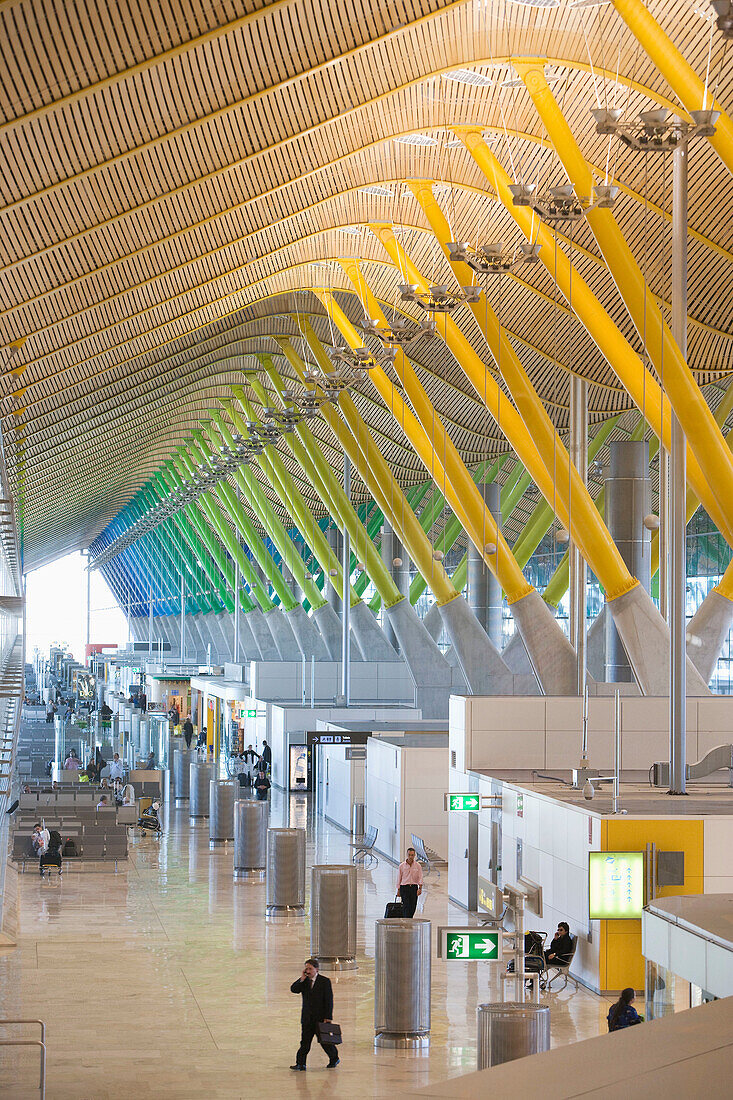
(317, 1008)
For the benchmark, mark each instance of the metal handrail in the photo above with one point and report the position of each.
(30, 1043)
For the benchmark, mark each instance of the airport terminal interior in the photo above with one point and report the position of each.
(375, 357)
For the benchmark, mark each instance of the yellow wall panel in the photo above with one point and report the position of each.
(621, 960)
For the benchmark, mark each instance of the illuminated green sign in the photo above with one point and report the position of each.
(615, 885)
(463, 802)
(472, 945)
(251, 713)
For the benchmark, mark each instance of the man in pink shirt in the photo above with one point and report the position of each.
(409, 882)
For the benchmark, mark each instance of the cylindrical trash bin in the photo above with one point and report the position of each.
(358, 819)
(181, 774)
(333, 916)
(285, 871)
(222, 793)
(402, 982)
(511, 1030)
(250, 838)
(198, 804)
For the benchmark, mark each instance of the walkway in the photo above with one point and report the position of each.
(166, 981)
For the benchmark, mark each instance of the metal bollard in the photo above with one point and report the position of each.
(222, 795)
(200, 777)
(333, 916)
(402, 982)
(510, 1030)
(144, 727)
(132, 723)
(285, 872)
(358, 812)
(250, 838)
(181, 774)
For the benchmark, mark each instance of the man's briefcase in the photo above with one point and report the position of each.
(329, 1033)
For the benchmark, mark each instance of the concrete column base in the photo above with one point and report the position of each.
(248, 648)
(309, 639)
(329, 625)
(369, 635)
(707, 632)
(433, 622)
(282, 633)
(263, 637)
(550, 653)
(645, 637)
(225, 623)
(596, 647)
(514, 655)
(480, 661)
(430, 672)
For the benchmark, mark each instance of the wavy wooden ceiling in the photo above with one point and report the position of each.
(174, 177)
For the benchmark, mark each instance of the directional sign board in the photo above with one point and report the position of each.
(472, 945)
(463, 801)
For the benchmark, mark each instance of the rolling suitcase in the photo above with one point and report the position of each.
(395, 908)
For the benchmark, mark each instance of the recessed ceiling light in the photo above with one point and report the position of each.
(377, 189)
(352, 230)
(468, 76)
(536, 3)
(416, 139)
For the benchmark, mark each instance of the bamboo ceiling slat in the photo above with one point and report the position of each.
(175, 175)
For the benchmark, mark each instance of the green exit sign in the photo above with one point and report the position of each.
(472, 945)
(463, 801)
(251, 713)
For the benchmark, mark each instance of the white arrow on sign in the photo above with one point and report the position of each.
(488, 947)
(471, 802)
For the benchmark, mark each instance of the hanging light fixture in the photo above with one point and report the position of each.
(655, 131)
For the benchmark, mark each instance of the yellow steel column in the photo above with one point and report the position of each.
(703, 434)
(428, 435)
(583, 521)
(680, 76)
(588, 528)
(374, 471)
(628, 366)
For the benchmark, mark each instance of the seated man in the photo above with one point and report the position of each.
(561, 946)
(40, 839)
(150, 762)
(103, 803)
(52, 855)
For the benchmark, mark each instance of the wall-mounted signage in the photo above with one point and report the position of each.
(463, 801)
(615, 885)
(336, 738)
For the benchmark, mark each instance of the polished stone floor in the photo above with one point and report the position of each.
(165, 980)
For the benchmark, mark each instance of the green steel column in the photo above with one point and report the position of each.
(187, 556)
(259, 503)
(196, 545)
(162, 556)
(215, 515)
(308, 452)
(261, 554)
(174, 475)
(284, 485)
